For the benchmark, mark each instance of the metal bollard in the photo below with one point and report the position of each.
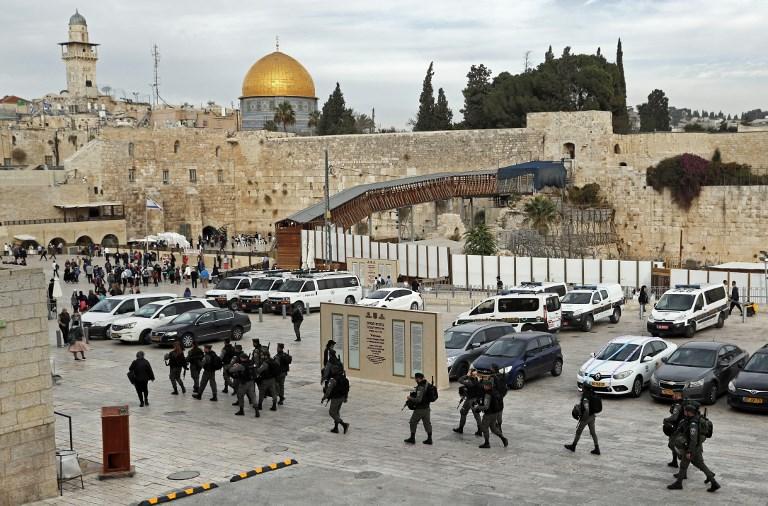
(306, 309)
(447, 305)
(284, 311)
(58, 339)
(86, 331)
(261, 315)
(744, 314)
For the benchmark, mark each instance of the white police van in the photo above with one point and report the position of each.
(524, 311)
(540, 287)
(685, 309)
(308, 291)
(585, 304)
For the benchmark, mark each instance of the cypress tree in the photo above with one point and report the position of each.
(549, 55)
(425, 119)
(443, 114)
(478, 86)
(619, 107)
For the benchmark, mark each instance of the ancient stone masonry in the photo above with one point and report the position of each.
(249, 180)
(27, 444)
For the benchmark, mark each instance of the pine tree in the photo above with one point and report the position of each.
(654, 114)
(478, 86)
(425, 119)
(549, 55)
(336, 119)
(598, 51)
(443, 113)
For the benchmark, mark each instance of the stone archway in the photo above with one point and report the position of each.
(84, 240)
(110, 240)
(569, 150)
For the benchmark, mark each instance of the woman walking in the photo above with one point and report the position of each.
(76, 343)
(642, 298)
(140, 374)
(64, 320)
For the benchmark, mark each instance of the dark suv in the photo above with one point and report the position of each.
(202, 325)
(465, 342)
(749, 389)
(522, 357)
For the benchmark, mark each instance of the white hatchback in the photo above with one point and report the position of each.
(138, 327)
(394, 298)
(624, 365)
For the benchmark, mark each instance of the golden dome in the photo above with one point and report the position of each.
(278, 75)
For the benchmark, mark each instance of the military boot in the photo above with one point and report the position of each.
(713, 485)
(459, 430)
(345, 426)
(677, 485)
(486, 444)
(411, 440)
(571, 447)
(428, 441)
(240, 413)
(335, 428)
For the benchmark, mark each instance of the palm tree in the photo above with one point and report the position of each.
(479, 241)
(540, 213)
(285, 115)
(314, 119)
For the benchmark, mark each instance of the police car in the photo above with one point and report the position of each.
(685, 309)
(624, 365)
(584, 305)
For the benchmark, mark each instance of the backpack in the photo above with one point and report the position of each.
(595, 405)
(431, 392)
(705, 427)
(500, 385)
(342, 387)
(274, 368)
(218, 363)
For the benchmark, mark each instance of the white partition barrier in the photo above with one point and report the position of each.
(628, 273)
(523, 266)
(432, 262)
(539, 269)
(474, 271)
(507, 270)
(592, 271)
(459, 268)
(556, 269)
(574, 268)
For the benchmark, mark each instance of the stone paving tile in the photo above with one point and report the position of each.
(179, 433)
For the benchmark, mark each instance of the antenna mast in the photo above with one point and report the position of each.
(156, 83)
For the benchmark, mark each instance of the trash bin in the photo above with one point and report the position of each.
(68, 467)
(115, 440)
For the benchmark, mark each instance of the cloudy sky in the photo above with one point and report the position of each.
(708, 54)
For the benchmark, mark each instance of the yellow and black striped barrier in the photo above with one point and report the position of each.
(179, 494)
(264, 469)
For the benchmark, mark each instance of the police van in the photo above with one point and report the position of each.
(585, 304)
(685, 309)
(540, 287)
(524, 311)
(259, 291)
(308, 291)
(227, 292)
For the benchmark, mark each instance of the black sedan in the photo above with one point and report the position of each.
(698, 371)
(202, 325)
(749, 389)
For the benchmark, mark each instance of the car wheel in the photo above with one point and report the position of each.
(414, 306)
(588, 322)
(107, 332)
(720, 321)
(186, 340)
(557, 369)
(237, 333)
(518, 381)
(349, 300)
(690, 330)
(637, 387)
(461, 369)
(233, 305)
(616, 316)
(144, 338)
(711, 396)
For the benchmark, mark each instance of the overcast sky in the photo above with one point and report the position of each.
(708, 54)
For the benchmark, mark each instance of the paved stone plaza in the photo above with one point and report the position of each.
(371, 464)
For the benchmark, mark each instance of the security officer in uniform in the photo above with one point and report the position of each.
(284, 359)
(492, 406)
(670, 428)
(210, 360)
(195, 360)
(586, 419)
(242, 371)
(336, 391)
(472, 393)
(419, 403)
(689, 443)
(265, 377)
(227, 354)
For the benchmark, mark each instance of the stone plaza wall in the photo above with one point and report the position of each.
(252, 179)
(27, 441)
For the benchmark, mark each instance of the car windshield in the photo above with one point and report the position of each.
(693, 357)
(185, 318)
(456, 339)
(378, 294)
(105, 306)
(618, 352)
(261, 284)
(292, 285)
(506, 348)
(758, 363)
(148, 311)
(577, 298)
(675, 302)
(227, 284)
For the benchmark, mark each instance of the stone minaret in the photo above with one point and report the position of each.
(80, 58)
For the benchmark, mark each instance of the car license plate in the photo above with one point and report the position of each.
(114, 335)
(599, 384)
(753, 400)
(662, 327)
(667, 391)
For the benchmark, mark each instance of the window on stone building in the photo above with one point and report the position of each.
(176, 146)
(166, 176)
(569, 150)
(130, 149)
(218, 151)
(13, 140)
(95, 190)
(193, 175)
(220, 176)
(617, 149)
(49, 160)
(131, 175)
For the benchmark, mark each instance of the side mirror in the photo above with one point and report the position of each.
(698, 307)
(161, 315)
(596, 302)
(592, 354)
(664, 359)
(529, 354)
(472, 346)
(647, 358)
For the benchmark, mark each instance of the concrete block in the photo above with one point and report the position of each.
(33, 414)
(19, 372)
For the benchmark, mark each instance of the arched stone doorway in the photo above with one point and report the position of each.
(56, 241)
(84, 240)
(569, 150)
(110, 241)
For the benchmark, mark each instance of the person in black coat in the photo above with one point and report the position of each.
(140, 373)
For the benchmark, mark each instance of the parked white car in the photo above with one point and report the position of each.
(584, 305)
(138, 327)
(99, 318)
(624, 365)
(310, 290)
(394, 298)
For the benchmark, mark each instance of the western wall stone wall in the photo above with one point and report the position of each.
(256, 178)
(39, 143)
(27, 440)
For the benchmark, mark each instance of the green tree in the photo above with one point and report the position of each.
(270, 126)
(479, 241)
(364, 124)
(285, 115)
(549, 55)
(654, 114)
(443, 113)
(425, 118)
(540, 213)
(478, 87)
(314, 119)
(619, 102)
(336, 118)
